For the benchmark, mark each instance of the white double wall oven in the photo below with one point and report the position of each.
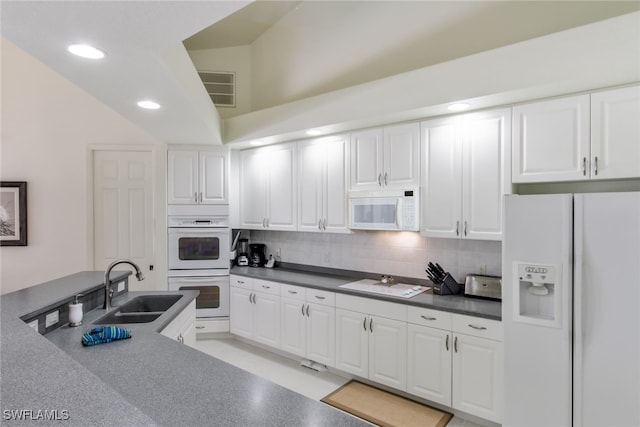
(198, 256)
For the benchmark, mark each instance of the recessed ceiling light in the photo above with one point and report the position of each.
(149, 105)
(313, 132)
(85, 51)
(459, 106)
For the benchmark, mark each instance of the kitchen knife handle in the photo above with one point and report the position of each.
(595, 161)
(457, 228)
(446, 343)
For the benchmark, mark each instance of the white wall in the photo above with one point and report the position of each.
(47, 125)
(383, 252)
(231, 59)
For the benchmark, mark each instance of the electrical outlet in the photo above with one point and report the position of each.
(481, 269)
(52, 318)
(121, 286)
(34, 324)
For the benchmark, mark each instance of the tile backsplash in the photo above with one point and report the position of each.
(401, 253)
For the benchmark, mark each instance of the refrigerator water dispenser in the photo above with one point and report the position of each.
(537, 296)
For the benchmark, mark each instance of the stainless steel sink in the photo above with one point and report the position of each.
(142, 309)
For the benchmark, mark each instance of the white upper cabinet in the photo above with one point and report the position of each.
(465, 173)
(385, 157)
(322, 184)
(615, 133)
(578, 138)
(268, 188)
(197, 177)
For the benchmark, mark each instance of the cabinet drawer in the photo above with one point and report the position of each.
(291, 291)
(209, 326)
(427, 317)
(321, 297)
(375, 307)
(267, 287)
(477, 326)
(241, 282)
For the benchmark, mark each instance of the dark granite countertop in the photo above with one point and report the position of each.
(331, 279)
(147, 380)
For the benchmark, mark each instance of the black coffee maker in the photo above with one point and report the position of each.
(257, 256)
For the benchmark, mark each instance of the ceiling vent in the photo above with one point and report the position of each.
(221, 87)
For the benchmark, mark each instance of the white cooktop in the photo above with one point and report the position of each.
(401, 290)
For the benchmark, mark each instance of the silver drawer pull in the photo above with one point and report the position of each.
(199, 327)
(241, 282)
(480, 328)
(427, 318)
(293, 292)
(266, 287)
(319, 297)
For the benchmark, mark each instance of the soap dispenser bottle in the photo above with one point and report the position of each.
(75, 312)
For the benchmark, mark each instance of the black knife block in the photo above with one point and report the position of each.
(448, 286)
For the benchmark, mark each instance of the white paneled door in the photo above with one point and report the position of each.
(122, 211)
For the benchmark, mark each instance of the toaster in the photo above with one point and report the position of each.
(488, 287)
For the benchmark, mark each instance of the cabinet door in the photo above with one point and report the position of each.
(311, 160)
(281, 192)
(441, 178)
(213, 177)
(551, 140)
(487, 138)
(429, 363)
(252, 189)
(182, 185)
(240, 312)
(366, 159)
(294, 332)
(321, 334)
(615, 133)
(388, 352)
(401, 155)
(335, 186)
(266, 319)
(352, 342)
(477, 376)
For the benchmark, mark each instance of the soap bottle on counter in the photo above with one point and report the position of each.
(75, 312)
(270, 262)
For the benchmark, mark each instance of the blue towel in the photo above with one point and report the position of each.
(104, 334)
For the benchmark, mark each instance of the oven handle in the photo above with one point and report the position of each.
(196, 230)
(212, 279)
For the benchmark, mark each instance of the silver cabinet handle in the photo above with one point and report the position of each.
(319, 224)
(371, 325)
(457, 228)
(324, 224)
(267, 222)
(364, 323)
(584, 166)
(302, 310)
(240, 282)
(307, 310)
(201, 197)
(595, 162)
(266, 287)
(199, 327)
(455, 344)
(195, 197)
(293, 292)
(465, 227)
(446, 343)
(480, 328)
(319, 297)
(380, 179)
(427, 318)
(386, 178)
(263, 222)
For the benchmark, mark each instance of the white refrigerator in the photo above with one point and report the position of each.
(571, 310)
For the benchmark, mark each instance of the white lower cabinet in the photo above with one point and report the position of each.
(182, 327)
(255, 310)
(370, 345)
(308, 323)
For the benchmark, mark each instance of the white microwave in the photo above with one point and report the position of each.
(384, 210)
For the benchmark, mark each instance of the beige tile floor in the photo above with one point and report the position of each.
(284, 371)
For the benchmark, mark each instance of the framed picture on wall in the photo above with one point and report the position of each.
(13, 213)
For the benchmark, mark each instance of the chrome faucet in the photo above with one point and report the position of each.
(108, 292)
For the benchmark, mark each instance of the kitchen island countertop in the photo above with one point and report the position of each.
(147, 380)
